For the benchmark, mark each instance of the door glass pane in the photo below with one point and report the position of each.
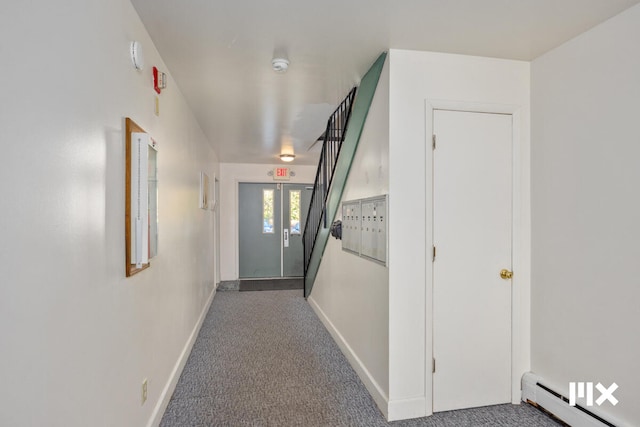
(294, 211)
(267, 211)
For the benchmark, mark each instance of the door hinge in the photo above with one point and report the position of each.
(433, 366)
(434, 253)
(433, 140)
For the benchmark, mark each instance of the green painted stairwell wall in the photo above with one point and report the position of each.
(364, 97)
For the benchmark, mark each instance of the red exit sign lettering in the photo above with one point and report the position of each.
(281, 174)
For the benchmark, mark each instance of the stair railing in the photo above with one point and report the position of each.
(332, 142)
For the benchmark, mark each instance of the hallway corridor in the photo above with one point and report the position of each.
(264, 359)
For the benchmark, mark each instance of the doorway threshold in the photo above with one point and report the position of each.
(274, 284)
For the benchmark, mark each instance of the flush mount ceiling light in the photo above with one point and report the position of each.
(280, 65)
(287, 157)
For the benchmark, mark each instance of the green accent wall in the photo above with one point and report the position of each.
(364, 97)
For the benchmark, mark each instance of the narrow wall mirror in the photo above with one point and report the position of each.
(141, 199)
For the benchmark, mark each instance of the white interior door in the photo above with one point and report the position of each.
(473, 239)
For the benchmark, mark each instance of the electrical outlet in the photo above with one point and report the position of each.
(144, 390)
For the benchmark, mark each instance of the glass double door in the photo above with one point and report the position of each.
(271, 218)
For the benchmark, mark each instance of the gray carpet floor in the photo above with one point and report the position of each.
(264, 359)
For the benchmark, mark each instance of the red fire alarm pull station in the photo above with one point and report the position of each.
(156, 78)
(159, 80)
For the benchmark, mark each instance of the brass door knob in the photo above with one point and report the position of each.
(506, 274)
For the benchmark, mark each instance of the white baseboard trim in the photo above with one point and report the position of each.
(167, 392)
(379, 396)
(403, 409)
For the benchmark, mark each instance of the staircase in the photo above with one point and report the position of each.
(339, 145)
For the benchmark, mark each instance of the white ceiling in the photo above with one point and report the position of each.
(220, 51)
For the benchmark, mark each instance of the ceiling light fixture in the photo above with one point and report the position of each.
(287, 157)
(280, 65)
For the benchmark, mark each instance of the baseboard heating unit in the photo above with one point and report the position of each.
(537, 393)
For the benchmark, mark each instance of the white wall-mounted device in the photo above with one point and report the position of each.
(137, 56)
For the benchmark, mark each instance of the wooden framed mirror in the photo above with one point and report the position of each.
(141, 198)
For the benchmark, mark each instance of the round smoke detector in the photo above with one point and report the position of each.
(136, 55)
(280, 65)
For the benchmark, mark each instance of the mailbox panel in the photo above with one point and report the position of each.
(364, 228)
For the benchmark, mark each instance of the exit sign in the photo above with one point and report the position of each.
(281, 174)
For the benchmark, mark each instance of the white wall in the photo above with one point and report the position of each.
(77, 336)
(351, 294)
(231, 174)
(419, 81)
(585, 175)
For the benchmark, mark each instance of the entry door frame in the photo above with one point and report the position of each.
(236, 210)
(521, 242)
